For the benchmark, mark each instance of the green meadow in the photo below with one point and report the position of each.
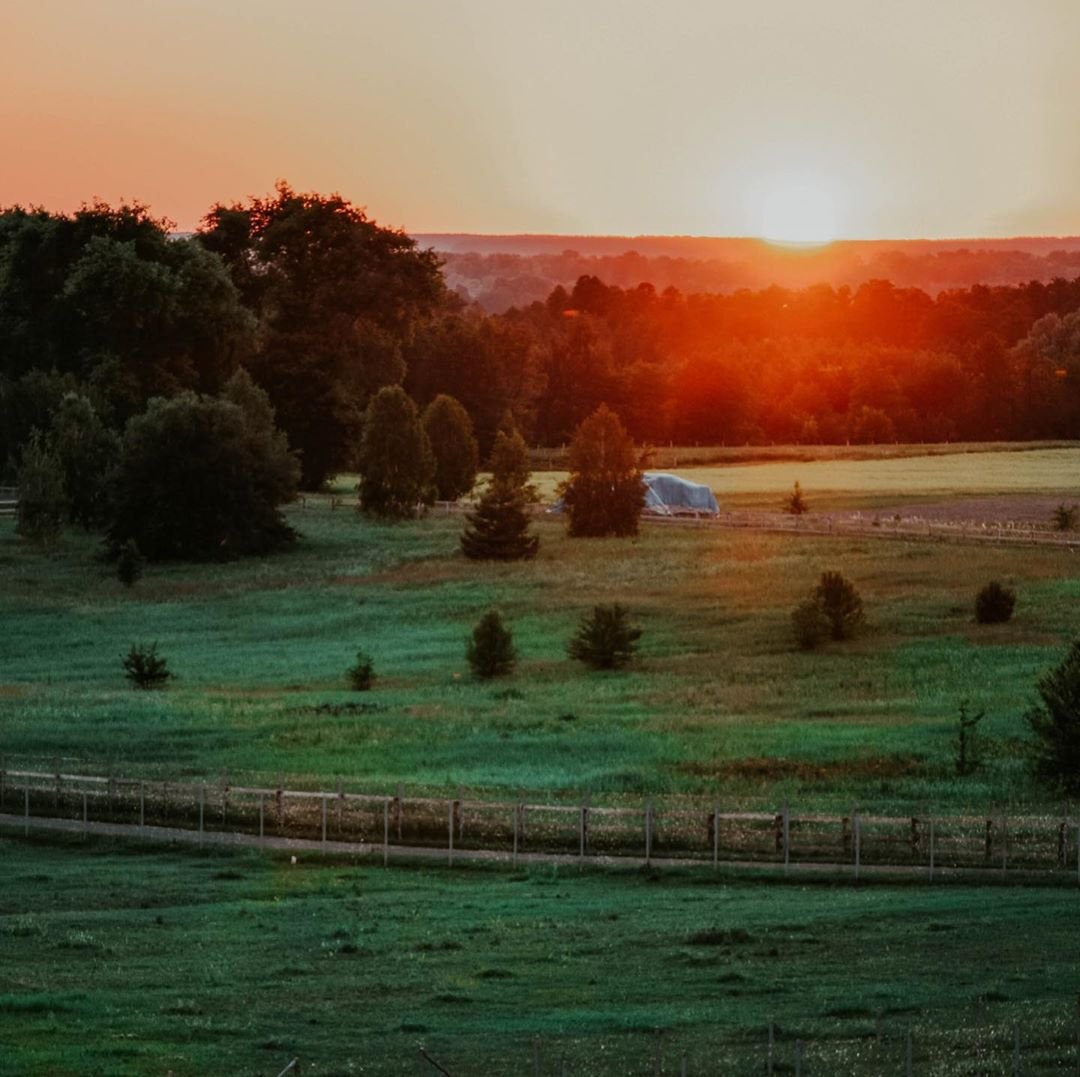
(132, 960)
(720, 703)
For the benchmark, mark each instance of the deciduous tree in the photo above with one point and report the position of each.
(605, 493)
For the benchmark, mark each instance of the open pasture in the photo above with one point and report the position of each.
(719, 703)
(124, 959)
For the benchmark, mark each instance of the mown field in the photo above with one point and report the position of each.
(132, 960)
(720, 702)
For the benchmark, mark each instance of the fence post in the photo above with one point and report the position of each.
(3, 780)
(907, 1053)
(323, 800)
(798, 1058)
(340, 805)
(931, 850)
(583, 828)
(536, 1057)
(85, 816)
(858, 845)
(386, 832)
(202, 808)
(514, 812)
(1004, 844)
(450, 831)
(716, 835)
(1016, 1051)
(142, 806)
(26, 809)
(262, 809)
(648, 830)
(771, 1049)
(682, 1065)
(787, 836)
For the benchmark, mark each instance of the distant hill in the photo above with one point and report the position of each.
(500, 271)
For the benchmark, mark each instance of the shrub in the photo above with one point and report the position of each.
(994, 604)
(1064, 517)
(605, 639)
(129, 563)
(795, 504)
(840, 605)
(490, 650)
(1055, 723)
(362, 673)
(809, 623)
(145, 668)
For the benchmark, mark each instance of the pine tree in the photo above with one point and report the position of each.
(840, 605)
(498, 529)
(605, 639)
(1055, 723)
(509, 462)
(490, 651)
(795, 503)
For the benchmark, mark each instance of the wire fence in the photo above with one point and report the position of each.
(674, 830)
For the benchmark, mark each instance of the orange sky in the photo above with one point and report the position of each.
(859, 118)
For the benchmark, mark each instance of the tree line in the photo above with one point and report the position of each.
(277, 326)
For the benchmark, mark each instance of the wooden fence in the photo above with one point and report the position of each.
(9, 500)
(674, 829)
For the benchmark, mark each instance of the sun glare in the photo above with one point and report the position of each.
(798, 211)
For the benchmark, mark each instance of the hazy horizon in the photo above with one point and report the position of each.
(614, 118)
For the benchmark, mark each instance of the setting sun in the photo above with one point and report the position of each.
(798, 209)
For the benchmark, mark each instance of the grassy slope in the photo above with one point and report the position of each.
(719, 703)
(122, 960)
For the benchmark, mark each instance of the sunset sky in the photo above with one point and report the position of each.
(783, 118)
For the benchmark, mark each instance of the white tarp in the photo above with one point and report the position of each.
(668, 495)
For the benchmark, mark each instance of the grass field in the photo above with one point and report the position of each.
(135, 960)
(131, 960)
(720, 703)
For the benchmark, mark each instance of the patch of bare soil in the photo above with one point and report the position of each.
(762, 768)
(1028, 510)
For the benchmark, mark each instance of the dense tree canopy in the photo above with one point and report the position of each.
(202, 478)
(336, 296)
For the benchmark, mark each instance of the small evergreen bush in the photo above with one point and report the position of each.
(994, 604)
(362, 673)
(490, 650)
(795, 503)
(1055, 723)
(605, 639)
(840, 604)
(145, 668)
(1064, 517)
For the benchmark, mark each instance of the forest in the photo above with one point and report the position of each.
(322, 307)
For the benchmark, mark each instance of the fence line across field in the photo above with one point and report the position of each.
(679, 830)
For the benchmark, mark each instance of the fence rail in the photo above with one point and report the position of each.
(682, 830)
